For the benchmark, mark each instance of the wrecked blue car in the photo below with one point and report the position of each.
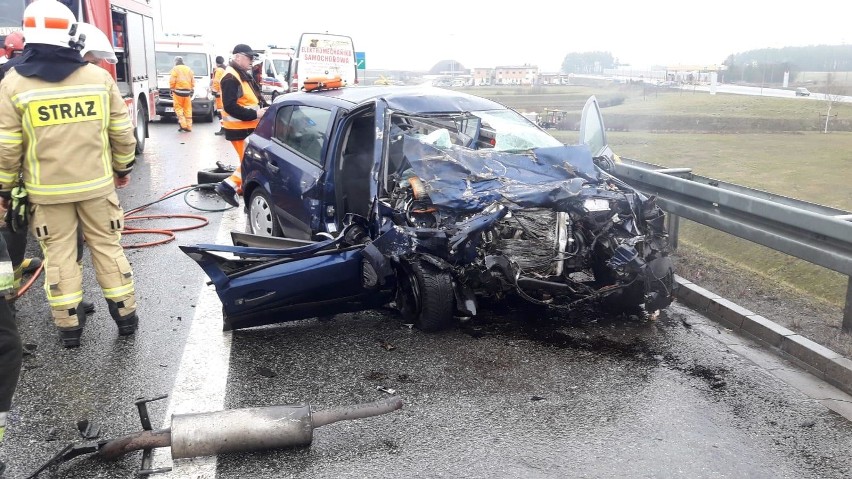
(430, 200)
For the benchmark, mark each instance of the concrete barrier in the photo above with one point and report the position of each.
(819, 360)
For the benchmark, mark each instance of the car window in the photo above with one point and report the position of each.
(302, 129)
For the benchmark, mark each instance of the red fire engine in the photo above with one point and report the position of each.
(130, 25)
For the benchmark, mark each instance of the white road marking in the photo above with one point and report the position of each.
(202, 376)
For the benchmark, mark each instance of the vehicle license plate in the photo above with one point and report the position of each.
(170, 109)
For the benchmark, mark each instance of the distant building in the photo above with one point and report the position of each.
(483, 76)
(515, 75)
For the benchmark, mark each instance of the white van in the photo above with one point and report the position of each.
(323, 55)
(199, 56)
(276, 71)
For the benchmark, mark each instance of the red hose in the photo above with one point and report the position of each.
(129, 230)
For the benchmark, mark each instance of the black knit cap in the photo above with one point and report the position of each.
(244, 49)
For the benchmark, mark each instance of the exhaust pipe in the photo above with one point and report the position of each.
(243, 430)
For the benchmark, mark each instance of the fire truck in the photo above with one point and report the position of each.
(130, 25)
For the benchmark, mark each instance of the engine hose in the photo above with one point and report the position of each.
(169, 233)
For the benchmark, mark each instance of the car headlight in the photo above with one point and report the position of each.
(596, 204)
(202, 93)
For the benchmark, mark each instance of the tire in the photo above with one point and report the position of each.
(425, 296)
(141, 130)
(261, 216)
(661, 283)
(273, 96)
(628, 300)
(212, 175)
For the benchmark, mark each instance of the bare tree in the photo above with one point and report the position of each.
(833, 93)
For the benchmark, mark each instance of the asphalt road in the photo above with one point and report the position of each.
(518, 392)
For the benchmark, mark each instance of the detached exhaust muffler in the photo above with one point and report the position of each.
(242, 430)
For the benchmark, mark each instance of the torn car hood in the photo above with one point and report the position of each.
(467, 180)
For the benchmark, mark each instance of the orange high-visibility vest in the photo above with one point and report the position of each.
(216, 85)
(247, 100)
(182, 80)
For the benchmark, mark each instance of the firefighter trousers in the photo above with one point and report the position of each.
(55, 228)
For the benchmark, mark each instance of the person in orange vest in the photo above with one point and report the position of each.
(216, 87)
(182, 84)
(242, 107)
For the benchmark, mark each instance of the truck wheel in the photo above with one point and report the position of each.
(141, 130)
(274, 95)
(425, 296)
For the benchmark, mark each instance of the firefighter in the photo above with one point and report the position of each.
(14, 44)
(216, 87)
(182, 84)
(11, 349)
(16, 238)
(243, 105)
(96, 47)
(65, 128)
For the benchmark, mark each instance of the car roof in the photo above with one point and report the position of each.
(410, 99)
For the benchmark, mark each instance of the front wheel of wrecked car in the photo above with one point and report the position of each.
(425, 296)
(661, 284)
(628, 299)
(261, 217)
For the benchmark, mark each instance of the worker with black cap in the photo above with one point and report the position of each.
(242, 107)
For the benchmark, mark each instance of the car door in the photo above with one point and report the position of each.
(270, 284)
(294, 158)
(592, 130)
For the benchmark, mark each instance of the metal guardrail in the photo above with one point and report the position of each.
(815, 233)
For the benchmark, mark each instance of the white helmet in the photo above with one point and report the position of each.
(49, 22)
(95, 42)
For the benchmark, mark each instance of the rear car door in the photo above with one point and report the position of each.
(293, 159)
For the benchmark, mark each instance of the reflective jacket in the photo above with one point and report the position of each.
(69, 138)
(241, 100)
(216, 86)
(182, 80)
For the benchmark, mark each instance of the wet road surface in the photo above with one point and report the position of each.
(517, 392)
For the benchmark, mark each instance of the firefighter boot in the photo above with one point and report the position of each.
(70, 335)
(127, 323)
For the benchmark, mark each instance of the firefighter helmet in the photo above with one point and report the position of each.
(95, 42)
(49, 22)
(14, 44)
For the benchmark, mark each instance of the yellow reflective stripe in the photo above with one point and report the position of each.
(11, 138)
(106, 149)
(120, 124)
(7, 178)
(7, 276)
(81, 187)
(21, 99)
(124, 290)
(27, 126)
(65, 299)
(124, 159)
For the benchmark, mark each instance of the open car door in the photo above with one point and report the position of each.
(592, 131)
(286, 280)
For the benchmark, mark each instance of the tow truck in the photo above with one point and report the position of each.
(130, 25)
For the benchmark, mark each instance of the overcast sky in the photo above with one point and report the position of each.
(416, 35)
